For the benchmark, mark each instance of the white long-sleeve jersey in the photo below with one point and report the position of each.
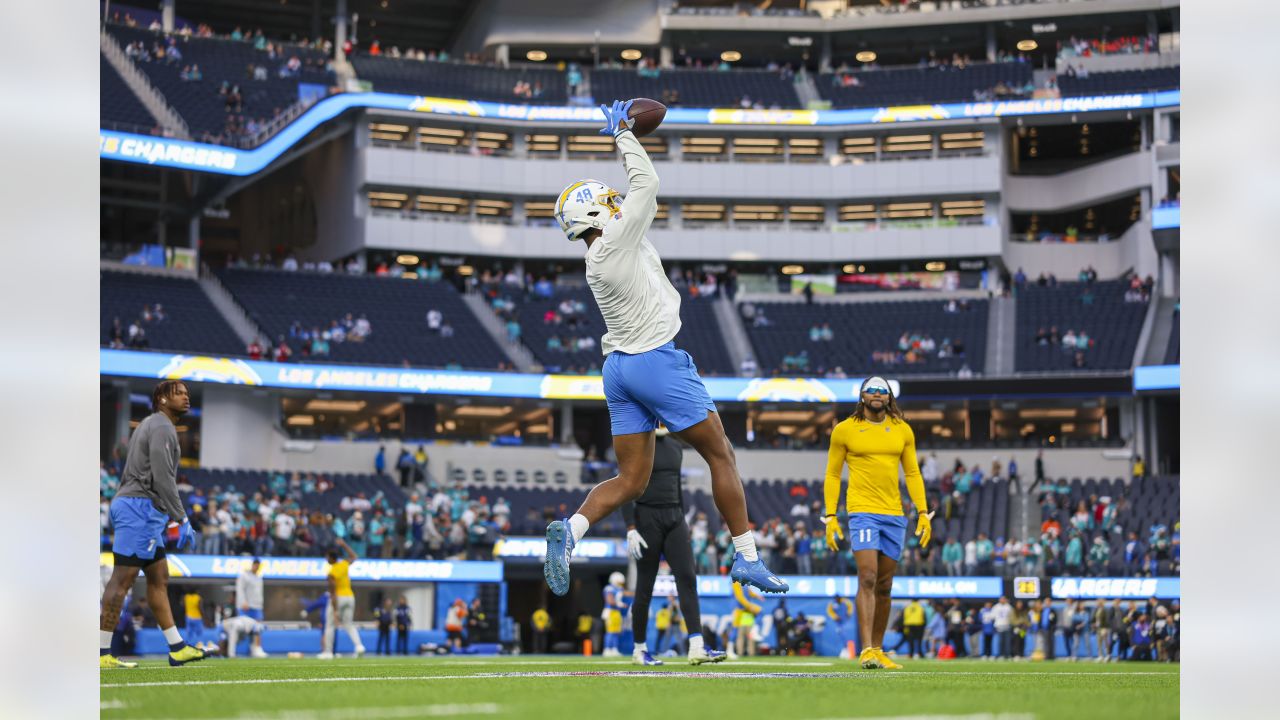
(249, 589)
(641, 309)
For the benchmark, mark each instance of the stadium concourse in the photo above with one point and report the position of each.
(337, 225)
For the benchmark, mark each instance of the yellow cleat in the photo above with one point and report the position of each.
(869, 660)
(107, 662)
(885, 662)
(188, 653)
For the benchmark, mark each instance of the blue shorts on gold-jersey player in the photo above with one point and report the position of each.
(874, 442)
(647, 379)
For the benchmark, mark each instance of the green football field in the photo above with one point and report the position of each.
(612, 689)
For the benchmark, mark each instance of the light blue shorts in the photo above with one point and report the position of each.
(139, 530)
(873, 531)
(659, 385)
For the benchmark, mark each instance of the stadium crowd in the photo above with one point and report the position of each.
(1101, 631)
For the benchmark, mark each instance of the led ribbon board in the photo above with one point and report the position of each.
(204, 157)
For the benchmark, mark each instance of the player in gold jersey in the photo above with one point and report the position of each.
(874, 442)
(342, 601)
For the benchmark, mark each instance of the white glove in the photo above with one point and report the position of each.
(636, 544)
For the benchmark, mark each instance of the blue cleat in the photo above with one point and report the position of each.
(644, 658)
(747, 573)
(559, 551)
(703, 655)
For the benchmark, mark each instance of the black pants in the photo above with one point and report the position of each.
(402, 639)
(915, 637)
(667, 534)
(384, 640)
(988, 645)
(957, 640)
(540, 642)
(1122, 640)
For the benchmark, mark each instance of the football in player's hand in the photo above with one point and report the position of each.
(648, 115)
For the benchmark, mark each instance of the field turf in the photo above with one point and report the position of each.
(573, 688)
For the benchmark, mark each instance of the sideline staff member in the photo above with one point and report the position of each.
(656, 527)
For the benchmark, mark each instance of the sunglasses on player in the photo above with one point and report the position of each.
(876, 391)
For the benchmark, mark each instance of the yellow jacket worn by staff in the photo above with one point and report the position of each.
(873, 452)
(747, 607)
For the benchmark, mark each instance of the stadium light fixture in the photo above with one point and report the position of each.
(849, 269)
(1027, 45)
(731, 56)
(865, 56)
(466, 270)
(631, 54)
(536, 55)
(407, 259)
(935, 266)
(792, 269)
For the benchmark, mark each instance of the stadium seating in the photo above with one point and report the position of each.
(247, 482)
(1150, 501)
(911, 86)
(864, 328)
(191, 324)
(987, 510)
(396, 310)
(459, 80)
(1111, 323)
(699, 334)
(698, 88)
(199, 103)
(1172, 352)
(119, 106)
(1120, 81)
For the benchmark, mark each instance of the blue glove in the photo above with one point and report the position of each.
(187, 535)
(616, 118)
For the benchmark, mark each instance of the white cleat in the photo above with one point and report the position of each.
(703, 655)
(360, 651)
(257, 652)
(325, 656)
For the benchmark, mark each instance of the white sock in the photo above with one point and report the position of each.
(171, 636)
(695, 643)
(104, 639)
(578, 524)
(746, 544)
(641, 647)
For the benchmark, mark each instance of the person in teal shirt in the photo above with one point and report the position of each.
(1099, 557)
(986, 551)
(279, 485)
(377, 534)
(1074, 554)
(952, 556)
(818, 552)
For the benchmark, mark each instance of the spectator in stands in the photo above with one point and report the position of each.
(952, 556)
(1133, 553)
(1099, 557)
(434, 320)
(282, 351)
(1074, 554)
(984, 551)
(1082, 521)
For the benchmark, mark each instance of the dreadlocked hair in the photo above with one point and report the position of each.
(891, 410)
(163, 389)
